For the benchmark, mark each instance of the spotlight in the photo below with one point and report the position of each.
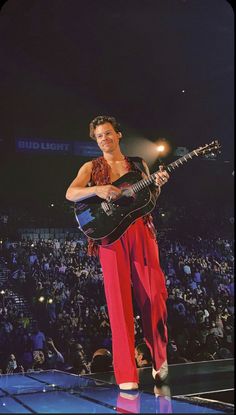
(41, 299)
(160, 148)
(50, 300)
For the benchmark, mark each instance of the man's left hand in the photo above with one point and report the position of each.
(162, 176)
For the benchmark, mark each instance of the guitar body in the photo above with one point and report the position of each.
(105, 221)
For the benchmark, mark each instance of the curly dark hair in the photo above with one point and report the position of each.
(102, 119)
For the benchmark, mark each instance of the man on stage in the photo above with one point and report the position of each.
(132, 261)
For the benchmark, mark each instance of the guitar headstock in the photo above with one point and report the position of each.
(213, 148)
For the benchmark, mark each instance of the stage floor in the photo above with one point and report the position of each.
(203, 387)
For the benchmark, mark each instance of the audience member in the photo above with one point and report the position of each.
(13, 366)
(101, 361)
(142, 355)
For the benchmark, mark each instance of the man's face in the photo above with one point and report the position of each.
(106, 137)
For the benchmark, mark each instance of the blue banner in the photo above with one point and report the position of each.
(77, 148)
(86, 149)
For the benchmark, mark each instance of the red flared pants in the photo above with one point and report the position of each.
(134, 259)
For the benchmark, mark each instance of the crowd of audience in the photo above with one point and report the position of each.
(69, 326)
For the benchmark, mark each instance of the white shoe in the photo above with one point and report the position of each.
(163, 391)
(128, 386)
(161, 374)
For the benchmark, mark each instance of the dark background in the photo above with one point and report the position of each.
(65, 61)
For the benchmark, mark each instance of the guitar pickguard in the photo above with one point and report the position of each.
(85, 217)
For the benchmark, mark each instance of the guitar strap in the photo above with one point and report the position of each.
(137, 161)
(148, 220)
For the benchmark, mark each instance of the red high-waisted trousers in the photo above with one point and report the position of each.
(134, 259)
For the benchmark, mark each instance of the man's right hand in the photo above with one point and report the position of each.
(108, 192)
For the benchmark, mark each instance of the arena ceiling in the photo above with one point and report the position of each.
(164, 68)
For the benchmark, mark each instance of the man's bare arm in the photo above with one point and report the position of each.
(79, 188)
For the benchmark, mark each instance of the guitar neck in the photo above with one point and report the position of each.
(141, 184)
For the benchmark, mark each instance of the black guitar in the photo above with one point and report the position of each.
(105, 221)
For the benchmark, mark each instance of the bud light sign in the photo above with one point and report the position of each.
(40, 145)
